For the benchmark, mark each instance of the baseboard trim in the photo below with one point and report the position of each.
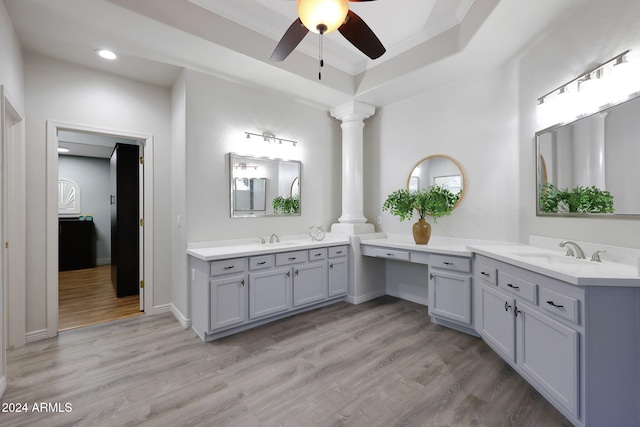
(170, 308)
(42, 334)
(355, 300)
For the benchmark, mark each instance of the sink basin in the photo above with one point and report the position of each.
(550, 258)
(280, 244)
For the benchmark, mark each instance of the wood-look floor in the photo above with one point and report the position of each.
(381, 363)
(87, 297)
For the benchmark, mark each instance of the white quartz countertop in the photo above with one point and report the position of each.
(211, 251)
(582, 272)
(437, 245)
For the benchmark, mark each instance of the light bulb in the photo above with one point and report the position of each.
(323, 16)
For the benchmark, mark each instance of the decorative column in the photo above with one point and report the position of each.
(352, 116)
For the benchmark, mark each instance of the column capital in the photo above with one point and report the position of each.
(353, 111)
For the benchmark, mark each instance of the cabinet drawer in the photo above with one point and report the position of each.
(515, 285)
(451, 263)
(487, 273)
(338, 251)
(227, 266)
(288, 258)
(260, 262)
(392, 254)
(317, 254)
(559, 304)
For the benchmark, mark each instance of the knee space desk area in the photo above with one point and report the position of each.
(568, 326)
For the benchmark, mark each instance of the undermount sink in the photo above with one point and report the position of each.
(276, 244)
(550, 258)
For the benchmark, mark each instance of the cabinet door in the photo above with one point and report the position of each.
(450, 296)
(497, 322)
(269, 293)
(338, 277)
(228, 304)
(548, 353)
(309, 283)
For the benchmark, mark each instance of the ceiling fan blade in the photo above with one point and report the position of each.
(292, 38)
(360, 35)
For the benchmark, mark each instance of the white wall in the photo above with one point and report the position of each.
(594, 34)
(11, 64)
(92, 176)
(63, 92)
(180, 292)
(218, 114)
(475, 122)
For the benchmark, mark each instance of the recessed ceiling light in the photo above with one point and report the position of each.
(63, 150)
(106, 54)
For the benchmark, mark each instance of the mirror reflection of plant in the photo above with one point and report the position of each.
(435, 201)
(286, 205)
(578, 200)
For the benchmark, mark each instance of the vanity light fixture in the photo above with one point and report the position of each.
(106, 54)
(606, 84)
(271, 138)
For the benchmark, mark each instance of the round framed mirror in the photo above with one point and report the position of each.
(438, 169)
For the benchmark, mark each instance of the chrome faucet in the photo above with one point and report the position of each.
(261, 240)
(596, 256)
(274, 236)
(578, 250)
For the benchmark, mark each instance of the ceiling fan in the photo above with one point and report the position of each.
(325, 16)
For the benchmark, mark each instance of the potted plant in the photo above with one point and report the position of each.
(579, 199)
(435, 201)
(286, 205)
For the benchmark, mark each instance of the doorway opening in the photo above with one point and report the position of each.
(85, 264)
(98, 214)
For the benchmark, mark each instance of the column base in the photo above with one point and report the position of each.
(352, 229)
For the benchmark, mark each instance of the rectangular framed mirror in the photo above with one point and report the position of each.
(590, 167)
(262, 186)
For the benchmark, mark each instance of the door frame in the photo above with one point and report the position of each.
(14, 222)
(146, 142)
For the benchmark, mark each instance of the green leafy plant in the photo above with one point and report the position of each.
(435, 201)
(286, 205)
(579, 200)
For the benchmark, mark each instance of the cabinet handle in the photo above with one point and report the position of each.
(242, 281)
(431, 276)
(331, 265)
(553, 304)
(292, 258)
(485, 274)
(288, 274)
(516, 311)
(512, 286)
(228, 267)
(390, 254)
(262, 262)
(296, 272)
(506, 306)
(447, 263)
(338, 252)
(320, 254)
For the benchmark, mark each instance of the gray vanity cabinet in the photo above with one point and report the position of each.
(269, 292)
(534, 323)
(309, 283)
(227, 299)
(338, 271)
(450, 288)
(232, 295)
(218, 295)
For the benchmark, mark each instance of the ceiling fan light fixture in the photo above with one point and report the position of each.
(323, 16)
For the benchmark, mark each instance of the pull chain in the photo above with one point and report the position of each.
(321, 61)
(322, 28)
